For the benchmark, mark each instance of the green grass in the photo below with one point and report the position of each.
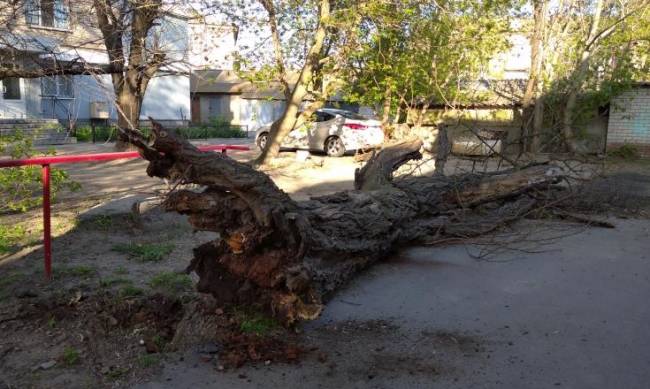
(103, 222)
(252, 321)
(81, 271)
(121, 270)
(112, 281)
(10, 279)
(145, 252)
(130, 291)
(148, 360)
(171, 282)
(70, 356)
(7, 283)
(11, 236)
(117, 372)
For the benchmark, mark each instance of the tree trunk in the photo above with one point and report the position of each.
(532, 86)
(538, 122)
(288, 256)
(385, 117)
(128, 116)
(283, 127)
(577, 79)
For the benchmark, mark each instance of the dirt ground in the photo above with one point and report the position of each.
(111, 315)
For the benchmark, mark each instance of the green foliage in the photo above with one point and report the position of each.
(20, 187)
(171, 282)
(627, 152)
(595, 71)
(145, 252)
(408, 51)
(10, 236)
(102, 133)
(70, 356)
(218, 128)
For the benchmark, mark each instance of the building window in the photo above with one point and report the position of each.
(48, 13)
(58, 87)
(10, 88)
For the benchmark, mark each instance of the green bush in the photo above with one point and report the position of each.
(217, 128)
(20, 187)
(102, 133)
(627, 152)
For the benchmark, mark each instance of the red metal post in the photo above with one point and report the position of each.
(45, 162)
(47, 238)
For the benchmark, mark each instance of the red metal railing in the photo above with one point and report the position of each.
(45, 162)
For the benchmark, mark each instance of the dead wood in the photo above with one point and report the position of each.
(289, 256)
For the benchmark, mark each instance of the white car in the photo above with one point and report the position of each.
(333, 131)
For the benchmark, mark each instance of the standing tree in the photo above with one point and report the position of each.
(310, 66)
(583, 53)
(140, 40)
(413, 51)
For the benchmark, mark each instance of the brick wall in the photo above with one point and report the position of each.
(629, 120)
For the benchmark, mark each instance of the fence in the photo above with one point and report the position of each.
(45, 162)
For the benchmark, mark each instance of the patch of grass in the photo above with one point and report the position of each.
(51, 322)
(11, 236)
(145, 252)
(627, 152)
(112, 281)
(148, 360)
(117, 372)
(171, 282)
(130, 291)
(121, 270)
(70, 356)
(77, 271)
(252, 321)
(10, 279)
(100, 222)
(159, 341)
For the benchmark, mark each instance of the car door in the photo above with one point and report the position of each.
(324, 125)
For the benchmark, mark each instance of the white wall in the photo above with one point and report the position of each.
(168, 98)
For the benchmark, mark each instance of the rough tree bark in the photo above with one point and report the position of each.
(288, 256)
(130, 78)
(529, 140)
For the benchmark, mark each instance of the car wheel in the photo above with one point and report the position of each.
(263, 140)
(334, 147)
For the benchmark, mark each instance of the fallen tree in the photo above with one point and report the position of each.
(289, 256)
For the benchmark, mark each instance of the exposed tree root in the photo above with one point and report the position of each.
(289, 256)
